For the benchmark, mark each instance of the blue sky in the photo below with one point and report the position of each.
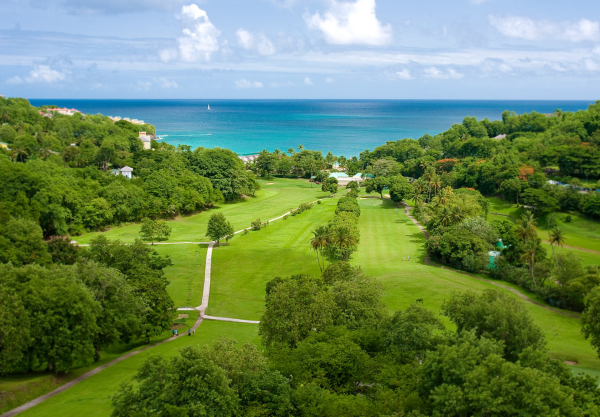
(428, 49)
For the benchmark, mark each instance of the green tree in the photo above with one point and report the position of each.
(358, 303)
(295, 307)
(377, 184)
(400, 188)
(14, 328)
(590, 319)
(188, 384)
(62, 250)
(344, 239)
(266, 163)
(21, 242)
(319, 241)
(330, 185)
(148, 231)
(511, 189)
(218, 227)
(557, 238)
(540, 200)
(498, 316)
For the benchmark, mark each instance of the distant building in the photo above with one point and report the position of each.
(4, 145)
(63, 110)
(1, 96)
(126, 171)
(146, 139)
(248, 158)
(344, 179)
(500, 137)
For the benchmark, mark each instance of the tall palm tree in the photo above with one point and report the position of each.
(557, 238)
(526, 227)
(529, 257)
(437, 184)
(319, 241)
(342, 237)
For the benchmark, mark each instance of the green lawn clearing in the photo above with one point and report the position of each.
(92, 397)
(241, 270)
(387, 237)
(274, 199)
(186, 276)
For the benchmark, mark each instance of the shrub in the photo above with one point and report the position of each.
(256, 224)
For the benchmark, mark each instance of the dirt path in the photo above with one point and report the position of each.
(521, 295)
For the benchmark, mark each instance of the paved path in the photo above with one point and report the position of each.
(201, 309)
(521, 295)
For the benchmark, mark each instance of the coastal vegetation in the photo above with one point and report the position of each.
(382, 324)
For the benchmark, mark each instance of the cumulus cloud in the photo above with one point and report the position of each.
(199, 41)
(258, 42)
(329, 80)
(351, 23)
(244, 83)
(403, 75)
(434, 72)
(307, 81)
(14, 80)
(165, 83)
(525, 28)
(40, 74)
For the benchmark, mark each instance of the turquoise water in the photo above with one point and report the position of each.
(344, 127)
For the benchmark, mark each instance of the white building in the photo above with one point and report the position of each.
(126, 171)
(248, 158)
(146, 139)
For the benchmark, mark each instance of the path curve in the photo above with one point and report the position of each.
(521, 295)
(201, 310)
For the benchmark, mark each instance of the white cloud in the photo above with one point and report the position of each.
(307, 81)
(403, 75)
(14, 80)
(244, 83)
(351, 23)
(329, 80)
(434, 72)
(283, 84)
(144, 85)
(166, 83)
(44, 74)
(199, 41)
(526, 28)
(259, 42)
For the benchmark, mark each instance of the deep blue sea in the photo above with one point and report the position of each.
(345, 127)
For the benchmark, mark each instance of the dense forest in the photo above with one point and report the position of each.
(330, 345)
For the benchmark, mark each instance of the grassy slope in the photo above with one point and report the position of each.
(21, 388)
(386, 237)
(580, 232)
(187, 273)
(270, 202)
(241, 270)
(92, 397)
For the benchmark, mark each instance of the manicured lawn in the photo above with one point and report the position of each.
(92, 397)
(187, 273)
(241, 270)
(580, 231)
(21, 388)
(387, 236)
(586, 258)
(271, 201)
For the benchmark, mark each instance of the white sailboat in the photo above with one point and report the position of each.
(209, 107)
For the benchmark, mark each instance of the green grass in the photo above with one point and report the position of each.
(387, 236)
(586, 258)
(241, 270)
(271, 201)
(92, 397)
(20, 388)
(580, 232)
(186, 276)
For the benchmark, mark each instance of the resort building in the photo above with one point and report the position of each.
(344, 179)
(63, 110)
(125, 171)
(248, 158)
(146, 139)
(500, 137)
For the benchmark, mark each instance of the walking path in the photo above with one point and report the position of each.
(201, 316)
(521, 295)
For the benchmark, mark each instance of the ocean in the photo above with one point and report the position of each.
(344, 127)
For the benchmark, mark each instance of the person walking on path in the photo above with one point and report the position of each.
(189, 332)
(194, 331)
(173, 332)
(403, 258)
(408, 258)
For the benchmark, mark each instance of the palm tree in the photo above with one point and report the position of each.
(437, 184)
(529, 257)
(301, 147)
(18, 151)
(557, 238)
(5, 116)
(319, 241)
(526, 227)
(342, 237)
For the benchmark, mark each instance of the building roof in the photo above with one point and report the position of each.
(500, 137)
(126, 169)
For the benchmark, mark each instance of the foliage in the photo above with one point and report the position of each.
(218, 227)
(330, 185)
(256, 224)
(498, 316)
(62, 250)
(377, 184)
(400, 188)
(21, 243)
(152, 230)
(590, 319)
